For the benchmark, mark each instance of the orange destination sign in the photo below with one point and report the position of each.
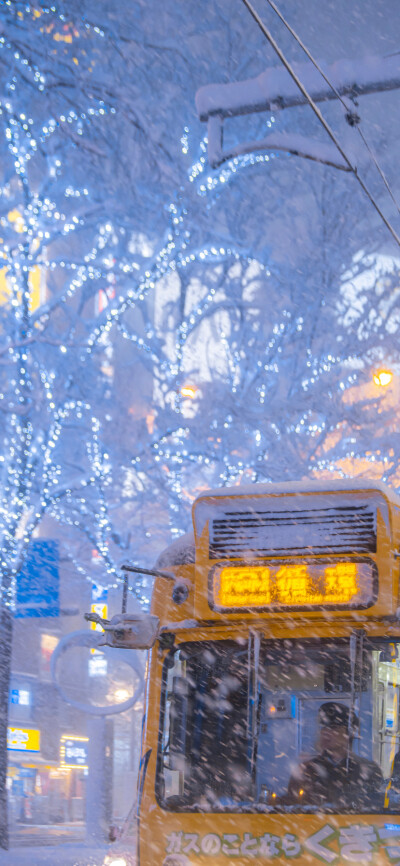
(302, 584)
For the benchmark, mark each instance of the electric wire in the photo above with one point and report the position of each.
(379, 169)
(337, 94)
(321, 118)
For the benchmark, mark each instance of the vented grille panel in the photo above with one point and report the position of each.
(345, 528)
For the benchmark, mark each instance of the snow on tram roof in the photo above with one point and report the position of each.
(303, 486)
(182, 550)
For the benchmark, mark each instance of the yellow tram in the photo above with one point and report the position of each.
(278, 637)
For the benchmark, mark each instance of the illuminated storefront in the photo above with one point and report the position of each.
(45, 792)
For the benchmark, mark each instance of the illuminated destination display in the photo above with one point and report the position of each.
(302, 584)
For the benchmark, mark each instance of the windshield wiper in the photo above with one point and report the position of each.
(253, 703)
(356, 662)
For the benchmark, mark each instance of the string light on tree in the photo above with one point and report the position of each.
(212, 295)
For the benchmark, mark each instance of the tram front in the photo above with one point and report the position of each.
(272, 715)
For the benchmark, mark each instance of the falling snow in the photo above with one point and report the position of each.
(166, 328)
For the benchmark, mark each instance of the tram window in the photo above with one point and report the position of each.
(207, 761)
(246, 731)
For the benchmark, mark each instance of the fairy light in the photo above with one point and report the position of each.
(39, 220)
(240, 433)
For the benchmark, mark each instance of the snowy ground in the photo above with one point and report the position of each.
(54, 855)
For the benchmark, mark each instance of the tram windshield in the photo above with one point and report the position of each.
(287, 726)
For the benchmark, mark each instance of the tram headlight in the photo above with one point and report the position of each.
(121, 854)
(115, 860)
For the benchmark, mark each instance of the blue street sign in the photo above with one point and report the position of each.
(20, 696)
(99, 594)
(38, 581)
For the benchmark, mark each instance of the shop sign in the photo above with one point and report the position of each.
(23, 739)
(97, 664)
(99, 605)
(74, 752)
(98, 661)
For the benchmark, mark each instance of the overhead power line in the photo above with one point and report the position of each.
(337, 94)
(288, 67)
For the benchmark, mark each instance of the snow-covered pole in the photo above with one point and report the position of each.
(98, 783)
(217, 157)
(275, 89)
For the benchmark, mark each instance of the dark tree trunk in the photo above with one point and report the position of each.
(5, 672)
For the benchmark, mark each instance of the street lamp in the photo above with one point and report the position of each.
(383, 378)
(189, 391)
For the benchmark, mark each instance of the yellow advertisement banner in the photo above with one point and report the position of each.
(23, 739)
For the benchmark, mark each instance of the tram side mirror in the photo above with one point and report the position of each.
(128, 630)
(178, 720)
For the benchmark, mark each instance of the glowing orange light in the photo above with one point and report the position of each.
(272, 709)
(340, 581)
(301, 792)
(273, 795)
(14, 216)
(292, 585)
(241, 586)
(189, 391)
(383, 378)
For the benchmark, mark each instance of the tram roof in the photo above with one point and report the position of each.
(303, 486)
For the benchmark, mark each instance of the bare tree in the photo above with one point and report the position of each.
(166, 328)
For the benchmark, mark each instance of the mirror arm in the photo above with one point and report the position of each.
(152, 571)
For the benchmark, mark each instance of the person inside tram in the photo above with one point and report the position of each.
(395, 778)
(336, 776)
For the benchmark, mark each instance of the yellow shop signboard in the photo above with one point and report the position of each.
(23, 739)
